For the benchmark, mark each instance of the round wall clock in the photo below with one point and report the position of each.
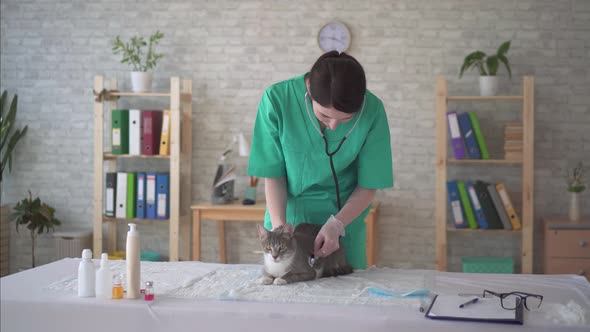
(334, 36)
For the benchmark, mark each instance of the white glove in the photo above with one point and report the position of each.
(328, 239)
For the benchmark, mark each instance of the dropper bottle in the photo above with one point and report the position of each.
(104, 278)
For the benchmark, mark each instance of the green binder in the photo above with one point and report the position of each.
(479, 136)
(466, 205)
(120, 131)
(131, 194)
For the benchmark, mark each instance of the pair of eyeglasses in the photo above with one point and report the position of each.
(512, 300)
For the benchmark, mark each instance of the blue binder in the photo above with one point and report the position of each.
(469, 136)
(477, 210)
(150, 195)
(455, 202)
(162, 195)
(140, 202)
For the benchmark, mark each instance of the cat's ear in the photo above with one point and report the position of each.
(287, 230)
(262, 232)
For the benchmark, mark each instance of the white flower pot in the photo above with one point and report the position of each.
(575, 207)
(488, 85)
(141, 81)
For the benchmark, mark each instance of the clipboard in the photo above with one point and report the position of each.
(487, 310)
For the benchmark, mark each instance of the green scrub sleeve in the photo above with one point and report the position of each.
(375, 167)
(266, 153)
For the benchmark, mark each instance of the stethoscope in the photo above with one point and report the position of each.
(328, 153)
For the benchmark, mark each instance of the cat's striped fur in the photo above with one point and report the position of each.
(286, 254)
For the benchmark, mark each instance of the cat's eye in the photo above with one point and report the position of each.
(267, 248)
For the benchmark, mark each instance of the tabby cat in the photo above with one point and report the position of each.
(287, 252)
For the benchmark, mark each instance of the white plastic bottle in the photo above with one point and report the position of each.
(133, 267)
(104, 279)
(86, 275)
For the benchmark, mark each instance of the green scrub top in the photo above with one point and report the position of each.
(286, 144)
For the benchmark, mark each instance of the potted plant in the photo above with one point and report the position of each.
(488, 66)
(134, 53)
(36, 216)
(575, 184)
(9, 138)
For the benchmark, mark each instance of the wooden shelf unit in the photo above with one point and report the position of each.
(527, 165)
(108, 155)
(179, 166)
(481, 161)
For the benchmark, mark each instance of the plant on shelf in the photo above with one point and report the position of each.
(133, 53)
(36, 216)
(575, 183)
(9, 136)
(488, 66)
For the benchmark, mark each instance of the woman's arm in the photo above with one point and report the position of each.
(275, 190)
(355, 205)
(327, 240)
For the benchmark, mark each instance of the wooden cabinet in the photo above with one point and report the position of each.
(567, 247)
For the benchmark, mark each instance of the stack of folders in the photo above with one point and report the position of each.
(140, 132)
(466, 137)
(481, 205)
(513, 141)
(137, 195)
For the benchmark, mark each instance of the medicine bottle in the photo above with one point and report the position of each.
(117, 287)
(149, 291)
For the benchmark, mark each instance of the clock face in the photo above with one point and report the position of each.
(334, 36)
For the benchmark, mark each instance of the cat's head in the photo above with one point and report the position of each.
(277, 244)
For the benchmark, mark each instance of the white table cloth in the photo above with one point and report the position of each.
(195, 296)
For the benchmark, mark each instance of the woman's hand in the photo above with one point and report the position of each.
(328, 239)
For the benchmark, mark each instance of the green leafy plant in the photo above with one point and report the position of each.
(134, 54)
(575, 180)
(9, 136)
(487, 65)
(36, 216)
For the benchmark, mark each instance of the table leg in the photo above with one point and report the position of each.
(112, 241)
(371, 238)
(196, 235)
(376, 237)
(222, 255)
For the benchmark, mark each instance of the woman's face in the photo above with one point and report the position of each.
(330, 116)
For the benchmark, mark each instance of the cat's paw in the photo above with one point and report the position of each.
(265, 280)
(280, 281)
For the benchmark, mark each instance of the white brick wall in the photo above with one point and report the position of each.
(232, 50)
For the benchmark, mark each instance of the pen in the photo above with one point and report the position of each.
(425, 301)
(469, 302)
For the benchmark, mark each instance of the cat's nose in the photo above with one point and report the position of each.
(275, 257)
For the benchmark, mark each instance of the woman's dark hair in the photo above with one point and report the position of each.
(338, 80)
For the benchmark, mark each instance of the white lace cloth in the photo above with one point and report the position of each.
(239, 282)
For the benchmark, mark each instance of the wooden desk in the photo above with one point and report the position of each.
(249, 213)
